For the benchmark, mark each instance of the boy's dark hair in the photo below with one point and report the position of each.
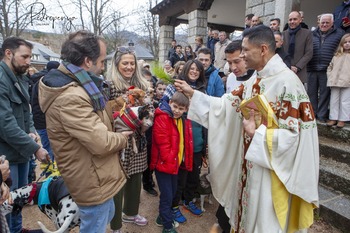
(204, 51)
(79, 45)
(13, 43)
(178, 46)
(234, 46)
(261, 35)
(180, 99)
(159, 82)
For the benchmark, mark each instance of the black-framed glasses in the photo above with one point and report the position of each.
(128, 49)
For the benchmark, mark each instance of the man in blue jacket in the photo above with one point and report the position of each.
(325, 41)
(215, 86)
(343, 10)
(16, 125)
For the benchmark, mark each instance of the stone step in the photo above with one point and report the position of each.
(338, 151)
(337, 134)
(334, 208)
(335, 175)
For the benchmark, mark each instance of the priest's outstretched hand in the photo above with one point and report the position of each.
(183, 87)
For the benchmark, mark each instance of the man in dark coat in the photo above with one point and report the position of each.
(16, 126)
(325, 42)
(298, 45)
(38, 115)
(343, 10)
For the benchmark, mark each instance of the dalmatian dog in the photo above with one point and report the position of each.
(62, 211)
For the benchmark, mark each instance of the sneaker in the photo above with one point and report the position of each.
(193, 208)
(177, 215)
(151, 191)
(137, 219)
(172, 230)
(159, 222)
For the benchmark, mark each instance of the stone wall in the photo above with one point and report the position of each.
(265, 9)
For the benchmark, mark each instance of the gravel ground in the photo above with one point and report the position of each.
(149, 209)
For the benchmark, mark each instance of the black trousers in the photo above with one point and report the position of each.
(188, 181)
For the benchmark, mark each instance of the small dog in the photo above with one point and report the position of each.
(204, 189)
(63, 212)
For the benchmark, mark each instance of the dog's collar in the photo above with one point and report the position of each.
(32, 193)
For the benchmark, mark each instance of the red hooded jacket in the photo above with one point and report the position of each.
(165, 144)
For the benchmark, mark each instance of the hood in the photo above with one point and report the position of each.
(165, 107)
(51, 86)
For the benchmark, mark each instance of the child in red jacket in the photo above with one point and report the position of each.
(172, 146)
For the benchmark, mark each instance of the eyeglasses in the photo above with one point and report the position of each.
(123, 49)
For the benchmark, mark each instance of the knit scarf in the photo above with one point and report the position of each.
(91, 83)
(292, 33)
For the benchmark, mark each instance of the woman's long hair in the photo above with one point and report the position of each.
(201, 81)
(119, 81)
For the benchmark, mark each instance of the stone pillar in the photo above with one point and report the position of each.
(197, 26)
(283, 9)
(166, 35)
(267, 9)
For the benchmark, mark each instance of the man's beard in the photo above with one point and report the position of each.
(18, 69)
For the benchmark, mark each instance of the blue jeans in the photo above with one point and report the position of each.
(45, 142)
(94, 219)
(19, 176)
(167, 184)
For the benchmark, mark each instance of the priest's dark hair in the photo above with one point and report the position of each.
(261, 35)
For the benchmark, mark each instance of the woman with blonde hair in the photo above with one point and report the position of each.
(124, 73)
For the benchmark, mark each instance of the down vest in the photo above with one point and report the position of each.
(324, 52)
(165, 144)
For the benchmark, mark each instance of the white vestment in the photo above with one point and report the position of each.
(243, 186)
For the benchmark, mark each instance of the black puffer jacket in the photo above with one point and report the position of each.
(324, 52)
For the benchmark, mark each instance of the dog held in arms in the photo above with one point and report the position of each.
(62, 210)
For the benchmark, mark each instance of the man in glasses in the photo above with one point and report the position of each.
(80, 131)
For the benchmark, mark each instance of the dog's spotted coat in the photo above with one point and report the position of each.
(66, 218)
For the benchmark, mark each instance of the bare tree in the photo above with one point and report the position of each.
(101, 14)
(150, 26)
(14, 18)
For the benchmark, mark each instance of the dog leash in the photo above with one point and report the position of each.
(44, 171)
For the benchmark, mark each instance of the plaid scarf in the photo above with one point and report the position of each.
(91, 83)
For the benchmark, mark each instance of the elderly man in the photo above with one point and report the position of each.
(325, 42)
(220, 46)
(81, 135)
(268, 174)
(298, 45)
(17, 132)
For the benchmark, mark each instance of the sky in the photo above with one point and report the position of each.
(46, 14)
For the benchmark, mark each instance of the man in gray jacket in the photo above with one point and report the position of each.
(17, 132)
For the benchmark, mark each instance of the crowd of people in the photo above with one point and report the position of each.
(263, 174)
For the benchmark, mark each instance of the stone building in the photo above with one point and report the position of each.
(228, 15)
